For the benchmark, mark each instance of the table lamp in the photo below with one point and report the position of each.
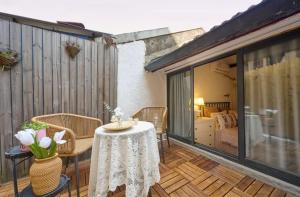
(200, 103)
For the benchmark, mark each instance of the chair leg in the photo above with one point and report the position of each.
(162, 148)
(168, 139)
(77, 176)
(67, 164)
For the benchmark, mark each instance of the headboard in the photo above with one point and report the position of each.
(220, 105)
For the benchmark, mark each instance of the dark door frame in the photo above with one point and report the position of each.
(241, 158)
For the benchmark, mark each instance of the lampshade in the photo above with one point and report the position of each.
(199, 101)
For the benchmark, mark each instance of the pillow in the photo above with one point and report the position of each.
(209, 110)
(234, 113)
(226, 121)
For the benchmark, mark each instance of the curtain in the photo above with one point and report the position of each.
(272, 97)
(180, 104)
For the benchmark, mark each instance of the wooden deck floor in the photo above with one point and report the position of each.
(185, 174)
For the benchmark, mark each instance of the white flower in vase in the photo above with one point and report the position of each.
(45, 142)
(58, 137)
(26, 138)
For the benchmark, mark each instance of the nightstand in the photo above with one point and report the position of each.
(204, 131)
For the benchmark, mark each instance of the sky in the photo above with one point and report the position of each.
(116, 16)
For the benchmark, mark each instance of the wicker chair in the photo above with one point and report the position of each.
(79, 135)
(158, 116)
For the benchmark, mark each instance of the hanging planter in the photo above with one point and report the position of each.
(8, 59)
(72, 49)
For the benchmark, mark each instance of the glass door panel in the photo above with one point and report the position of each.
(215, 105)
(272, 105)
(180, 105)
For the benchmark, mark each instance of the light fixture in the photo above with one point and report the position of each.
(200, 103)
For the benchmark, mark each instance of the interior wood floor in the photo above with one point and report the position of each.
(185, 174)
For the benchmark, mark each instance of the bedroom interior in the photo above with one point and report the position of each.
(215, 104)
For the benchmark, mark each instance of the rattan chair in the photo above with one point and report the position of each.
(157, 116)
(79, 135)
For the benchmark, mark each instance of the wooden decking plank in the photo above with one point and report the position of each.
(222, 190)
(232, 194)
(167, 177)
(277, 193)
(160, 190)
(171, 181)
(235, 191)
(180, 193)
(184, 174)
(265, 190)
(193, 190)
(225, 174)
(175, 163)
(244, 183)
(203, 185)
(213, 187)
(193, 168)
(254, 187)
(203, 177)
(176, 186)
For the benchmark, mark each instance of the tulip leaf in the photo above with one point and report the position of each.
(52, 149)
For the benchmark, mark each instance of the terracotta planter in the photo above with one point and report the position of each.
(45, 174)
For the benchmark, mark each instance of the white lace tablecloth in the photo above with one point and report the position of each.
(129, 158)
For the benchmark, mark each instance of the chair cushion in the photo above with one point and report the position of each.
(81, 146)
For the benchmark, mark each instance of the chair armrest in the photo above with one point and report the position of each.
(69, 136)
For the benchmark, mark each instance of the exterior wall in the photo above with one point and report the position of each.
(137, 88)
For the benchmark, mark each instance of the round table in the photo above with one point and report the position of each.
(128, 157)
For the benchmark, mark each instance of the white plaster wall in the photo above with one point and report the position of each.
(137, 88)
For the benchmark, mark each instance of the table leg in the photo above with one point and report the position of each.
(15, 178)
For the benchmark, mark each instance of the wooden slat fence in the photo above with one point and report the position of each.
(47, 81)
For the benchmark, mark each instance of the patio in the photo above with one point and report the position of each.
(185, 173)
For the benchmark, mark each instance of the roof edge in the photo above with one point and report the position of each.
(58, 27)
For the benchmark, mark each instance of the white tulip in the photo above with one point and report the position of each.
(33, 132)
(58, 137)
(25, 138)
(45, 142)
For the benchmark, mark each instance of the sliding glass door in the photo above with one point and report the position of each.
(272, 105)
(180, 105)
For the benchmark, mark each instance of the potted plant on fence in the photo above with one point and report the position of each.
(8, 58)
(45, 172)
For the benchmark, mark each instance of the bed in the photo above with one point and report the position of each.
(226, 130)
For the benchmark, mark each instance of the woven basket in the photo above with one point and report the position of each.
(72, 50)
(45, 175)
(7, 62)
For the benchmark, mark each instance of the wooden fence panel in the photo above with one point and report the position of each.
(46, 80)
(5, 103)
(37, 46)
(56, 60)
